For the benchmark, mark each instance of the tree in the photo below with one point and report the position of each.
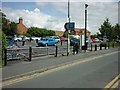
(3, 44)
(40, 32)
(116, 31)
(106, 29)
(8, 29)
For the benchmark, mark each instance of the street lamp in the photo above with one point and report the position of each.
(85, 26)
(69, 28)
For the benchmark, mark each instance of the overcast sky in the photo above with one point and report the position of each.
(53, 15)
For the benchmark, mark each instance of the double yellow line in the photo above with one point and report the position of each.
(113, 84)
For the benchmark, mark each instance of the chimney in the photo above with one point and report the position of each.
(20, 20)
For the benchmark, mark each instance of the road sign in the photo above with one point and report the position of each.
(69, 26)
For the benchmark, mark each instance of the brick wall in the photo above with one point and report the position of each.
(21, 28)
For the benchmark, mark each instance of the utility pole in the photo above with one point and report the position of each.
(69, 28)
(85, 27)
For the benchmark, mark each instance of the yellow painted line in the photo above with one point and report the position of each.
(116, 84)
(62, 66)
(112, 82)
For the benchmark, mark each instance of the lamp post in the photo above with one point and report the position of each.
(85, 26)
(69, 27)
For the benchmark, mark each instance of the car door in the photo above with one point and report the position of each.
(50, 42)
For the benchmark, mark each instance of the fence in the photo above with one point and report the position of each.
(30, 52)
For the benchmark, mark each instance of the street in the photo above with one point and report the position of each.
(92, 72)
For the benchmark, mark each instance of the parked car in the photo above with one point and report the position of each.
(93, 41)
(18, 38)
(47, 42)
(27, 38)
(36, 38)
(63, 39)
(97, 40)
(57, 39)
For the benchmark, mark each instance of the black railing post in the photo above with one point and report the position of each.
(105, 46)
(61, 43)
(56, 51)
(108, 45)
(30, 53)
(113, 45)
(5, 57)
(91, 46)
(95, 47)
(100, 46)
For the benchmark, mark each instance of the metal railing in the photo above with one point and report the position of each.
(30, 52)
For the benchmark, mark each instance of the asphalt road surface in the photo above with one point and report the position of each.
(93, 73)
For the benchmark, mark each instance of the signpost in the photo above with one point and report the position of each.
(69, 26)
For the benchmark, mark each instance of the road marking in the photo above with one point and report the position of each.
(113, 84)
(52, 69)
(116, 84)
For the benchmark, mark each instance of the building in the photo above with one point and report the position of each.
(80, 31)
(59, 33)
(21, 28)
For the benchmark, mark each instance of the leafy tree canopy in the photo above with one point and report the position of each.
(40, 32)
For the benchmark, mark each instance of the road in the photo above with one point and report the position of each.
(92, 72)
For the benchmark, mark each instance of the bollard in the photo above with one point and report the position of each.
(30, 53)
(61, 43)
(5, 57)
(108, 45)
(100, 46)
(91, 47)
(56, 51)
(105, 46)
(95, 47)
(73, 49)
(113, 45)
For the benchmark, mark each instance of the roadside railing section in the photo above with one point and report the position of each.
(30, 52)
(17, 53)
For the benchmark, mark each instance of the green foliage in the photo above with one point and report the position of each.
(116, 31)
(71, 37)
(3, 44)
(65, 34)
(106, 29)
(8, 29)
(40, 32)
(27, 34)
(110, 31)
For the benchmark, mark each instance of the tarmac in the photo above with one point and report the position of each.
(16, 69)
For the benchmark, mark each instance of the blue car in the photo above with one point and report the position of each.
(47, 42)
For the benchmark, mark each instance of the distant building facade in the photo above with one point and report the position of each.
(80, 31)
(21, 28)
(59, 33)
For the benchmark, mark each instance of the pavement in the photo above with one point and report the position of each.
(16, 69)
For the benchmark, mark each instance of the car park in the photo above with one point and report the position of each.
(47, 42)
